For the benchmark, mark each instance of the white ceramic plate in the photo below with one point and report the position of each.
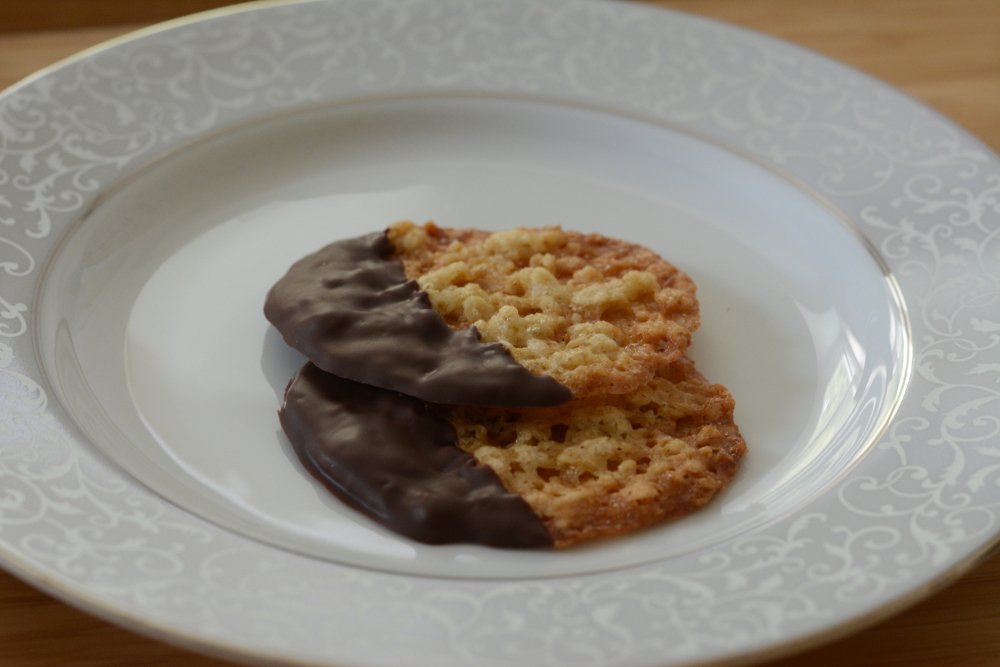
(844, 238)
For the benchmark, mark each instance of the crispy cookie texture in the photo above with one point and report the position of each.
(599, 315)
(603, 466)
(351, 310)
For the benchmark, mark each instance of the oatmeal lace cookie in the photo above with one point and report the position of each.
(599, 315)
(604, 466)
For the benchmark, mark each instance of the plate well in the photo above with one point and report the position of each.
(151, 331)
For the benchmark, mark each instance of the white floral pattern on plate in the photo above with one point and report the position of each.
(924, 193)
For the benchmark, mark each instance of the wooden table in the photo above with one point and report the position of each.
(945, 52)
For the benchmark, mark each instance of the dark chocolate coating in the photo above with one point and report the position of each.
(350, 309)
(388, 456)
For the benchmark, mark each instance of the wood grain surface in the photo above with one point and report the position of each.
(944, 52)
